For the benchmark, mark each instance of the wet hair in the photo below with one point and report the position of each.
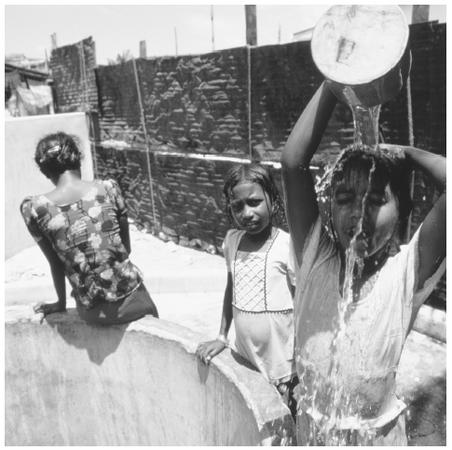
(56, 153)
(254, 173)
(389, 168)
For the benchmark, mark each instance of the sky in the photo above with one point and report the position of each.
(117, 28)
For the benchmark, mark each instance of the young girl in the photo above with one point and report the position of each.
(82, 229)
(355, 301)
(259, 290)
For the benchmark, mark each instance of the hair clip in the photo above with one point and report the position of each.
(54, 149)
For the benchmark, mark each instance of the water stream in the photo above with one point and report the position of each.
(341, 404)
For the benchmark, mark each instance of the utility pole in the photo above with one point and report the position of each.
(212, 28)
(420, 13)
(279, 34)
(251, 28)
(53, 41)
(46, 61)
(175, 38)
(143, 49)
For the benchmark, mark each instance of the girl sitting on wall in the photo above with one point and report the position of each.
(258, 294)
(82, 229)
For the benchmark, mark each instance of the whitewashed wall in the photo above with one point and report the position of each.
(22, 176)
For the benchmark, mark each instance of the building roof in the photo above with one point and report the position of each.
(28, 73)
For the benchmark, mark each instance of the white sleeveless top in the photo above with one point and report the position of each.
(377, 325)
(262, 304)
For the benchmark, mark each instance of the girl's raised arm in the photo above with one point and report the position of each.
(432, 237)
(300, 197)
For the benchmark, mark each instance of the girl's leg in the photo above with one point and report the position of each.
(306, 430)
(393, 434)
(286, 390)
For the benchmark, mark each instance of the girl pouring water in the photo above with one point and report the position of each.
(356, 298)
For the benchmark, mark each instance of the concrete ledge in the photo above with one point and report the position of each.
(70, 383)
(42, 289)
(431, 322)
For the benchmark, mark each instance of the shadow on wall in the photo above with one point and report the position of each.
(75, 336)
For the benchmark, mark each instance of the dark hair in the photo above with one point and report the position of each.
(56, 153)
(254, 173)
(388, 168)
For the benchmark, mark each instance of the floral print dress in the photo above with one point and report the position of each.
(85, 236)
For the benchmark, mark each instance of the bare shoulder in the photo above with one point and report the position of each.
(283, 235)
(233, 234)
(26, 205)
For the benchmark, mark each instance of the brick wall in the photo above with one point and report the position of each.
(72, 68)
(119, 111)
(197, 103)
(188, 198)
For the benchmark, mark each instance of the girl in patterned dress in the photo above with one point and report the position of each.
(258, 293)
(82, 229)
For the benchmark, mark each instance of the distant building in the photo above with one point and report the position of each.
(27, 92)
(20, 60)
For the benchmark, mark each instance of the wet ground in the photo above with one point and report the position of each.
(187, 286)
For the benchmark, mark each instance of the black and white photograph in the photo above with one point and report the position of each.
(225, 224)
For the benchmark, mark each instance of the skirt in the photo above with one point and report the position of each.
(392, 434)
(133, 307)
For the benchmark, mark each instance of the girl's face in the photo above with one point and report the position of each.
(380, 212)
(250, 207)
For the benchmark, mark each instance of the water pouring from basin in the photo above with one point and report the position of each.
(362, 51)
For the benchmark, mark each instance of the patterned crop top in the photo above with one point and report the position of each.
(86, 237)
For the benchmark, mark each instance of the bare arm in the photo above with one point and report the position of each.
(207, 350)
(226, 316)
(432, 237)
(121, 213)
(56, 268)
(124, 232)
(300, 197)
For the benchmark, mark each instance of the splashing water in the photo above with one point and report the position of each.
(341, 403)
(365, 122)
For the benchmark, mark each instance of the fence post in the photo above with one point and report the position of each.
(411, 143)
(146, 138)
(91, 116)
(92, 119)
(81, 52)
(248, 58)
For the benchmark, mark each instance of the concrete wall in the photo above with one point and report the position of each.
(68, 383)
(22, 176)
